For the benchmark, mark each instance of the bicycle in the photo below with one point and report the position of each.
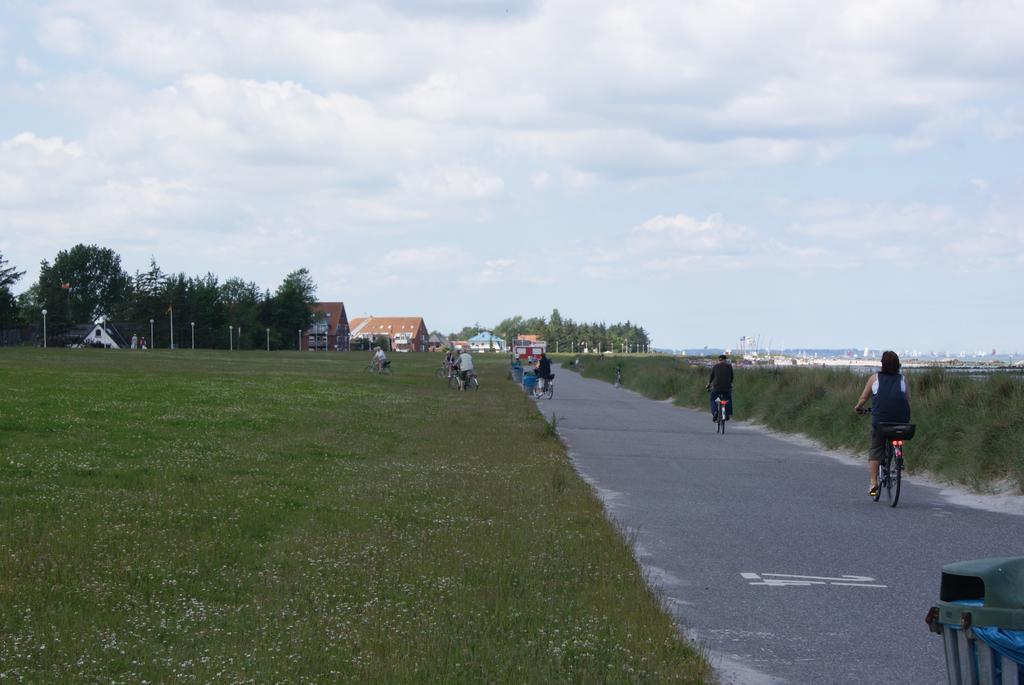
(618, 378)
(384, 369)
(471, 383)
(720, 416)
(544, 389)
(890, 468)
(443, 371)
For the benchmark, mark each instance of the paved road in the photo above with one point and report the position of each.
(715, 517)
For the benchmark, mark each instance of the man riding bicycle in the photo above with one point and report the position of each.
(720, 387)
(380, 360)
(890, 403)
(464, 365)
(543, 370)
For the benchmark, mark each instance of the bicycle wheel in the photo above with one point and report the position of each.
(887, 466)
(453, 381)
(441, 372)
(896, 477)
(472, 383)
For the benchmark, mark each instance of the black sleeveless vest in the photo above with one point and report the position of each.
(889, 405)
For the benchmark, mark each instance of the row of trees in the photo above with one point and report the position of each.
(87, 283)
(566, 335)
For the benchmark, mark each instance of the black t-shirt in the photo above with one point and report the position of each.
(544, 367)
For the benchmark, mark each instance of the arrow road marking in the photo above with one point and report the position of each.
(788, 579)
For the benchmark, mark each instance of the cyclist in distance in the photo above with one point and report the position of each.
(380, 360)
(543, 367)
(464, 365)
(720, 386)
(890, 403)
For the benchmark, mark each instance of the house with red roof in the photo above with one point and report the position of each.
(405, 333)
(329, 331)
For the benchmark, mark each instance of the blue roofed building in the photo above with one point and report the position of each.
(485, 341)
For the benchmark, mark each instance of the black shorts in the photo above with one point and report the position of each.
(878, 445)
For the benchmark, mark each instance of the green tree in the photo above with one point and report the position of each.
(8, 303)
(205, 309)
(82, 284)
(241, 302)
(291, 308)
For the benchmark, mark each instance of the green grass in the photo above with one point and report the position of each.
(249, 517)
(969, 430)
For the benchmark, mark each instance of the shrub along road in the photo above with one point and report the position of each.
(771, 553)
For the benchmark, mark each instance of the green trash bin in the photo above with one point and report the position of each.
(980, 616)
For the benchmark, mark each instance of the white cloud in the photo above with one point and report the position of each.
(684, 233)
(453, 182)
(27, 67)
(62, 33)
(426, 258)
(577, 180)
(540, 180)
(498, 270)
(857, 222)
(53, 150)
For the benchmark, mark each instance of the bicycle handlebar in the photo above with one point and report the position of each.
(863, 410)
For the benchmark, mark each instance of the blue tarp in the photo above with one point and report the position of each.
(1008, 643)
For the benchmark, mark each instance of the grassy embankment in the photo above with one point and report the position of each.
(970, 431)
(249, 517)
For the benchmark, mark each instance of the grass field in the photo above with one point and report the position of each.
(250, 517)
(969, 431)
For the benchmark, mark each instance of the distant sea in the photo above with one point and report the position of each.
(872, 358)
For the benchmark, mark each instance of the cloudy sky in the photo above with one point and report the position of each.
(815, 173)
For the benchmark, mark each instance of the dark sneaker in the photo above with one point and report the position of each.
(714, 417)
(873, 492)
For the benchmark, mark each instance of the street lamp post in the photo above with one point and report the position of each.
(231, 338)
(152, 338)
(239, 337)
(193, 325)
(268, 340)
(44, 329)
(300, 340)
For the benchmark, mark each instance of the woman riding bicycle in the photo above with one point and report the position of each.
(890, 403)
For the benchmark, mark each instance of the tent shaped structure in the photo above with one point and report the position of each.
(101, 334)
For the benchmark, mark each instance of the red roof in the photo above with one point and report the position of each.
(385, 325)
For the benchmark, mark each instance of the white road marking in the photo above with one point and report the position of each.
(790, 580)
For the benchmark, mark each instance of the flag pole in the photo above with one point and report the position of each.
(170, 308)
